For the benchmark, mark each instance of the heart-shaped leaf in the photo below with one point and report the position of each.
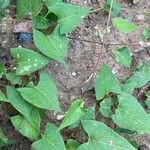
(74, 113)
(51, 140)
(123, 56)
(26, 109)
(106, 82)
(69, 16)
(22, 125)
(44, 95)
(49, 3)
(28, 7)
(55, 45)
(131, 115)
(102, 137)
(123, 25)
(28, 60)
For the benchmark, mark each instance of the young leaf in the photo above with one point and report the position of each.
(4, 3)
(39, 22)
(28, 60)
(3, 97)
(123, 56)
(102, 137)
(106, 82)
(105, 107)
(55, 45)
(28, 7)
(69, 16)
(51, 140)
(140, 76)
(72, 144)
(13, 78)
(22, 125)
(123, 25)
(27, 110)
(131, 115)
(44, 95)
(89, 115)
(116, 7)
(146, 34)
(49, 3)
(3, 137)
(74, 113)
(2, 70)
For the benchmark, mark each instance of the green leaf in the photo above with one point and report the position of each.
(3, 137)
(106, 82)
(2, 70)
(3, 97)
(69, 16)
(140, 76)
(10, 142)
(89, 115)
(39, 22)
(28, 60)
(146, 34)
(13, 78)
(55, 45)
(49, 3)
(123, 56)
(123, 25)
(74, 113)
(44, 95)
(116, 7)
(28, 7)
(22, 125)
(4, 3)
(27, 110)
(51, 140)
(128, 87)
(105, 107)
(72, 144)
(131, 115)
(102, 137)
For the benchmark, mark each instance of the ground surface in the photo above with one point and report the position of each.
(84, 58)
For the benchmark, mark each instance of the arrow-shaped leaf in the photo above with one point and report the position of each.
(22, 125)
(26, 109)
(131, 115)
(74, 113)
(54, 45)
(106, 82)
(101, 137)
(69, 16)
(28, 60)
(51, 140)
(44, 95)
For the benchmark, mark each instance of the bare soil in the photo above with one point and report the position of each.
(86, 54)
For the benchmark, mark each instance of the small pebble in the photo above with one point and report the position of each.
(74, 73)
(140, 17)
(60, 117)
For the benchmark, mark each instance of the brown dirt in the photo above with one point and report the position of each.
(84, 58)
